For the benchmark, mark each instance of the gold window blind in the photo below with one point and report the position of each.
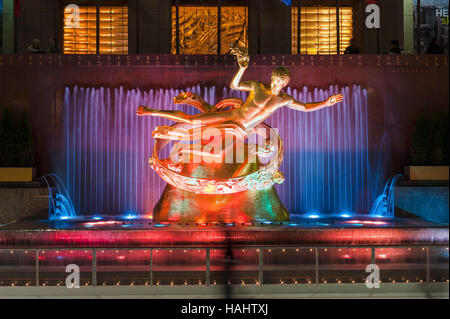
(113, 31)
(318, 33)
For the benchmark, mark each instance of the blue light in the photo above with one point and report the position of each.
(65, 217)
(96, 217)
(346, 215)
(130, 216)
(161, 225)
(313, 216)
(293, 224)
(357, 224)
(60, 257)
(267, 223)
(287, 2)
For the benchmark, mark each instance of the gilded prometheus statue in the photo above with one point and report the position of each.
(223, 190)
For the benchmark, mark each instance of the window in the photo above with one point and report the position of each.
(318, 29)
(432, 18)
(112, 30)
(198, 27)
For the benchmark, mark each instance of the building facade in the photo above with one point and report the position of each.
(191, 26)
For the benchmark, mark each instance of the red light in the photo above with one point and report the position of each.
(366, 222)
(101, 223)
(346, 256)
(121, 257)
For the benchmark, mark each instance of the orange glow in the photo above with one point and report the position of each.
(198, 29)
(101, 223)
(113, 31)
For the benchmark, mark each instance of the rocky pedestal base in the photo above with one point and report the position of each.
(251, 205)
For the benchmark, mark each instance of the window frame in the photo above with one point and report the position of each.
(61, 5)
(206, 3)
(322, 3)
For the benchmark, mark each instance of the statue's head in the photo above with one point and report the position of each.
(280, 78)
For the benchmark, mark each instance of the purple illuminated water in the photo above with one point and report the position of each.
(326, 162)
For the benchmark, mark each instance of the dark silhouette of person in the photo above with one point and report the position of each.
(352, 48)
(395, 47)
(35, 47)
(434, 48)
(53, 46)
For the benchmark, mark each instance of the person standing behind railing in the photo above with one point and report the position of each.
(352, 48)
(395, 47)
(35, 47)
(434, 48)
(53, 46)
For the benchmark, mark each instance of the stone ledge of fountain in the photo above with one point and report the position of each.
(410, 183)
(426, 200)
(261, 237)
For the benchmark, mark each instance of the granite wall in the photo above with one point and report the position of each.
(17, 202)
(428, 202)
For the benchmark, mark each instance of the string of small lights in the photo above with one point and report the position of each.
(191, 264)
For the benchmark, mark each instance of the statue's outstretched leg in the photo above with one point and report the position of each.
(173, 115)
(171, 133)
(197, 119)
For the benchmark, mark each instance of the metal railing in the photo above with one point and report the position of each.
(409, 259)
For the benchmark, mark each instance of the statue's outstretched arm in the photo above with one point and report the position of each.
(243, 59)
(310, 107)
(236, 83)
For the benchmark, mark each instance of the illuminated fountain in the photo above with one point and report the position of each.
(384, 204)
(60, 205)
(207, 180)
(327, 163)
(105, 162)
